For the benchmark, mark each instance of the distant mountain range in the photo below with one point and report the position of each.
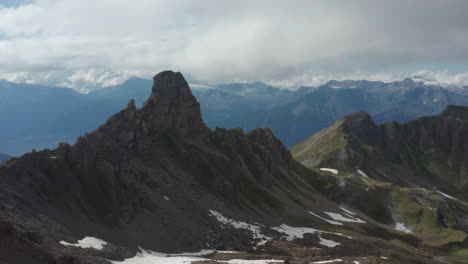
(40, 117)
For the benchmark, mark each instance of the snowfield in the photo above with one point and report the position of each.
(342, 218)
(347, 211)
(289, 232)
(330, 170)
(87, 242)
(327, 242)
(149, 257)
(326, 220)
(363, 174)
(292, 233)
(402, 227)
(254, 228)
(328, 261)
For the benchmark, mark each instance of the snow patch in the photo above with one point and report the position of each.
(363, 174)
(402, 227)
(166, 198)
(87, 242)
(149, 257)
(341, 218)
(327, 242)
(383, 257)
(228, 252)
(295, 232)
(326, 220)
(256, 261)
(289, 233)
(451, 197)
(53, 157)
(334, 171)
(447, 196)
(254, 228)
(298, 232)
(327, 261)
(347, 211)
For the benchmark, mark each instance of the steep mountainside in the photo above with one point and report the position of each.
(40, 117)
(429, 151)
(420, 169)
(156, 177)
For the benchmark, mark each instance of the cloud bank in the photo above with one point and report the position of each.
(77, 43)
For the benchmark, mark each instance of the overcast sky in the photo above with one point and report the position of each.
(81, 43)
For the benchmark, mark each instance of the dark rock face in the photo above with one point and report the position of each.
(148, 177)
(14, 244)
(172, 105)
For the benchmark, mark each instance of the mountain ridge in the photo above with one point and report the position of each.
(367, 145)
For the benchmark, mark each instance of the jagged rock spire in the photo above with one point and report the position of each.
(171, 107)
(172, 104)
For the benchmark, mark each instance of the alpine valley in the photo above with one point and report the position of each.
(154, 184)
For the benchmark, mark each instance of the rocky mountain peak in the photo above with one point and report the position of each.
(172, 104)
(357, 122)
(408, 80)
(171, 108)
(455, 111)
(131, 104)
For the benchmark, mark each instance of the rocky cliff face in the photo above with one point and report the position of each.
(171, 108)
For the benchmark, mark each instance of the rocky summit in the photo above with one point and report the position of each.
(154, 182)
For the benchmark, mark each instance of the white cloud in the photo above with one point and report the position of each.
(216, 41)
(443, 77)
